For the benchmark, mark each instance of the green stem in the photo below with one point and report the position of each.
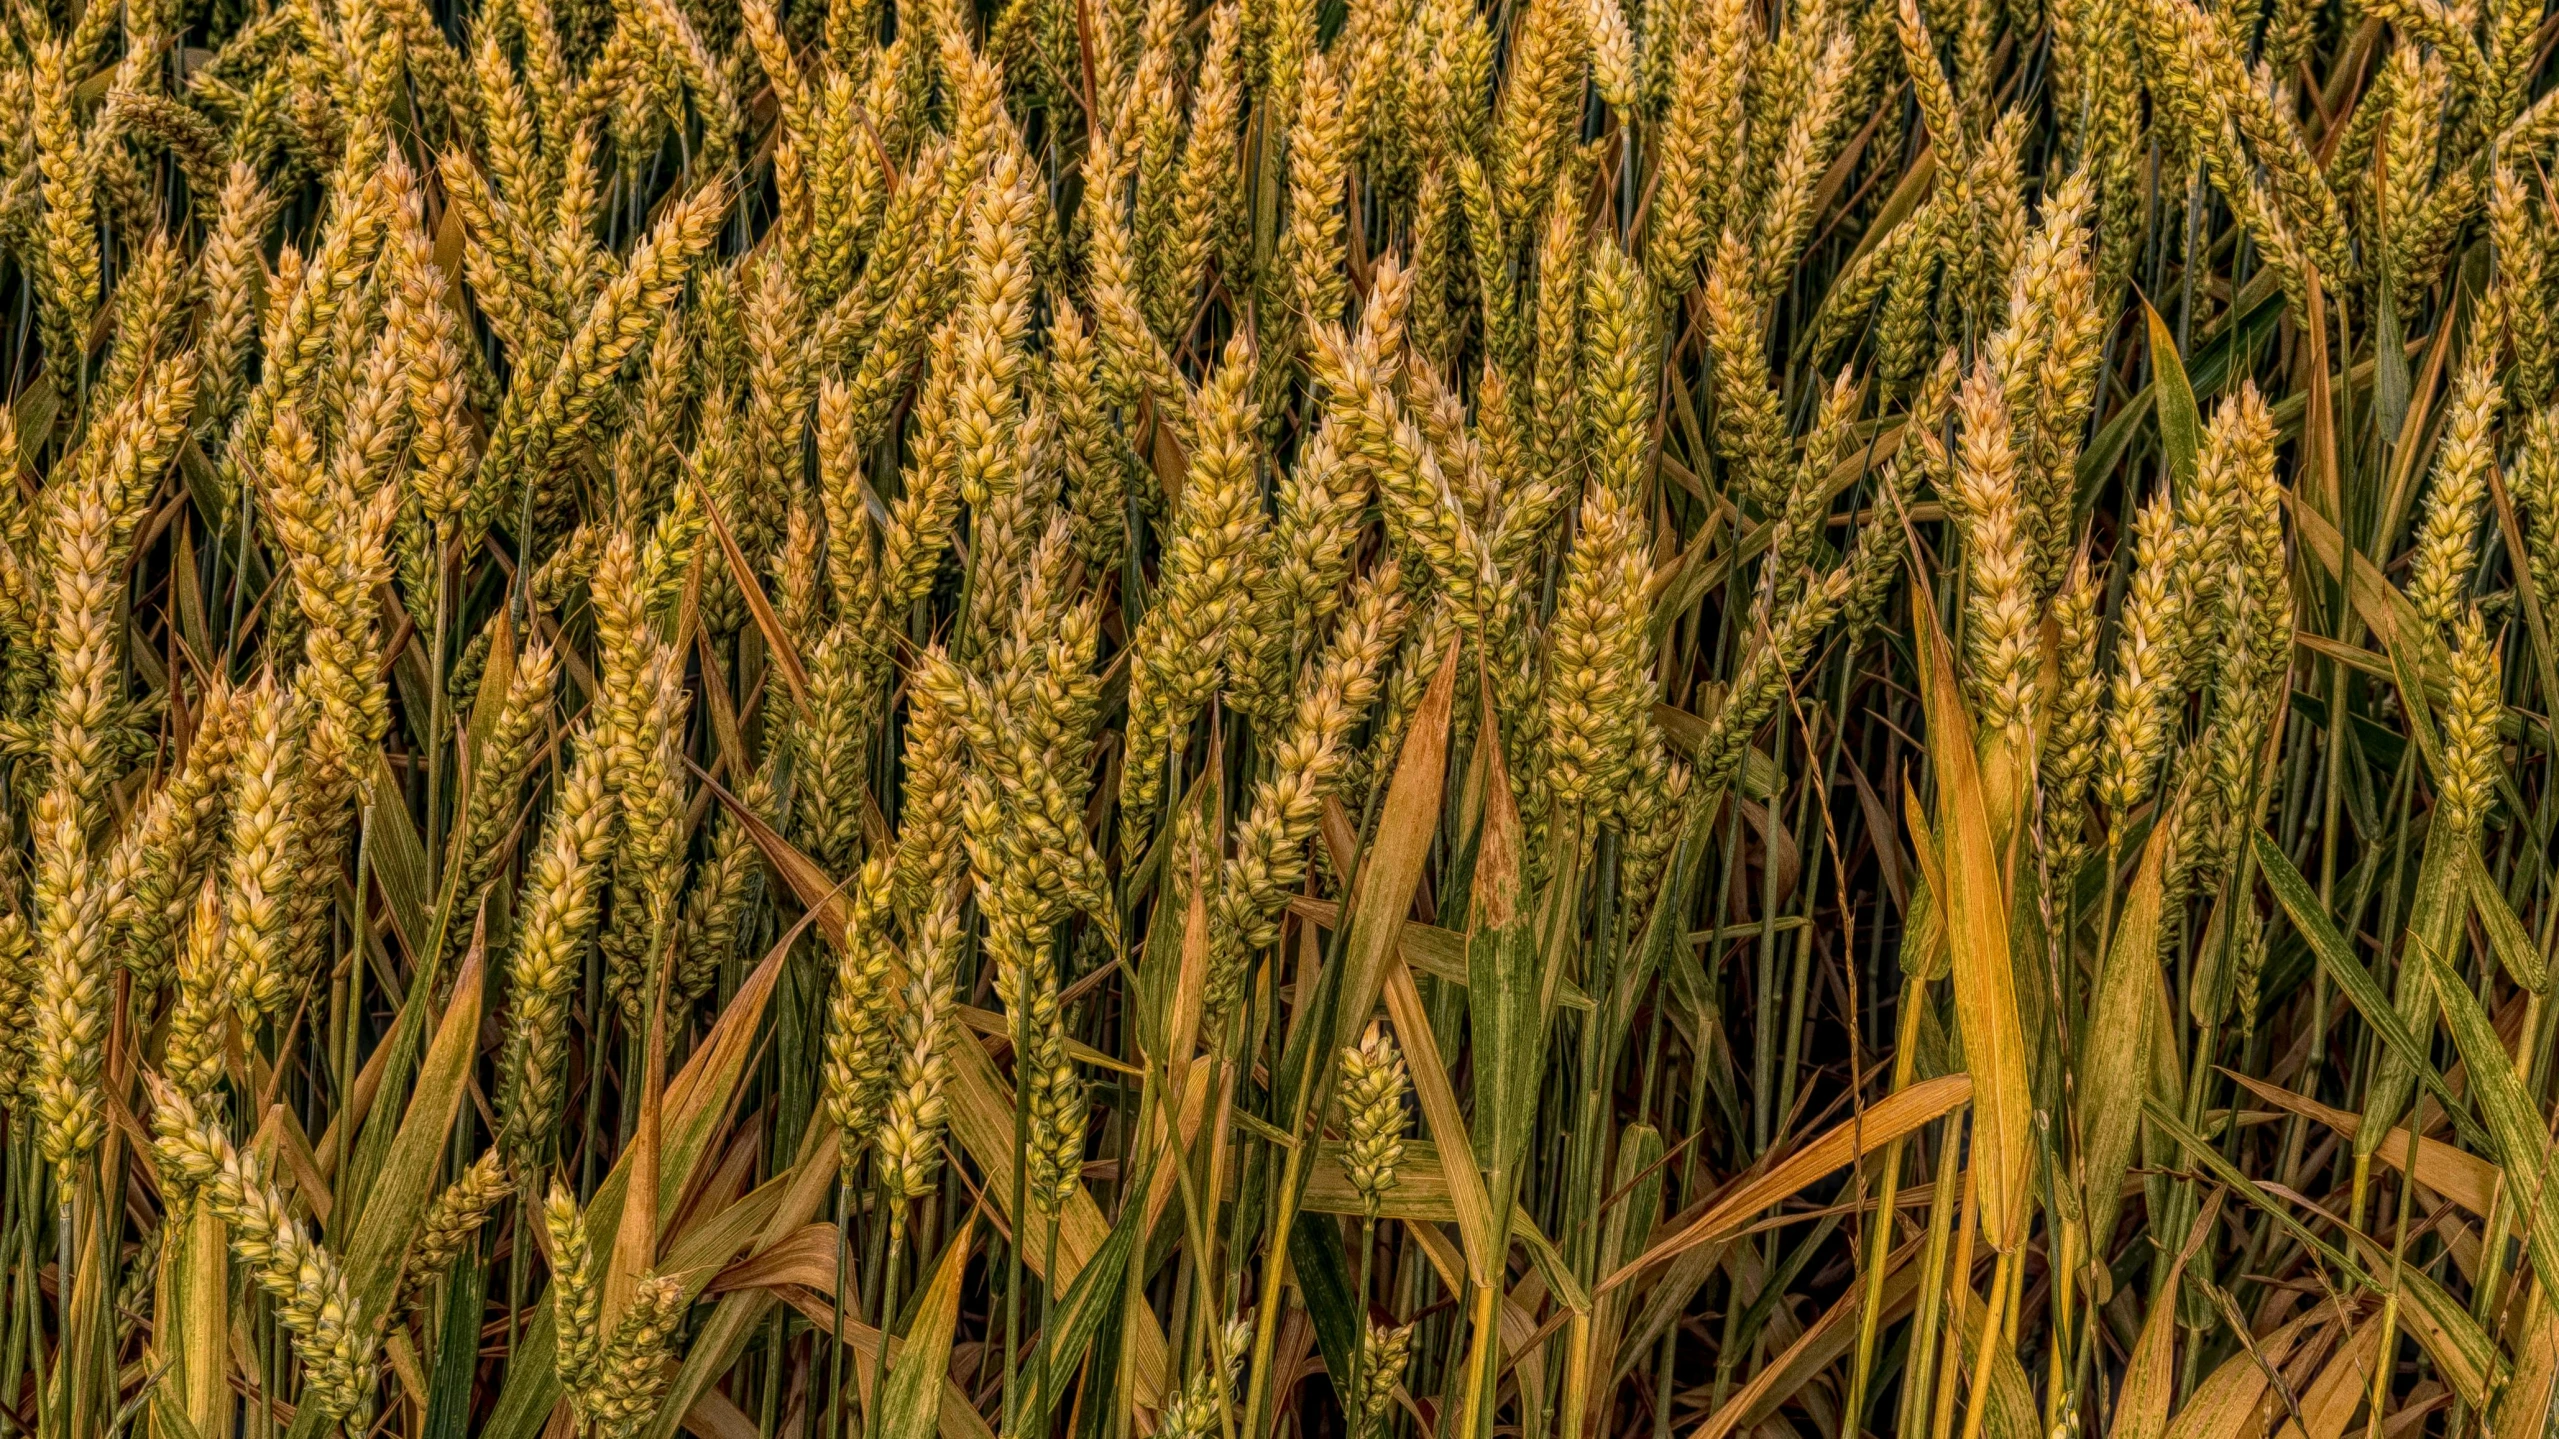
(835, 1340)
(1021, 1194)
(1355, 1401)
(437, 720)
(888, 1305)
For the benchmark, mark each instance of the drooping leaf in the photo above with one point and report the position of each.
(1976, 917)
(1324, 1278)
(2507, 938)
(2150, 1379)
(2301, 903)
(1889, 1119)
(1504, 1005)
(2113, 1068)
(2181, 423)
(2523, 1145)
(2465, 1179)
(1436, 1096)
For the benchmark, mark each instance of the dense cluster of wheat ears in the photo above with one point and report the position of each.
(1279, 719)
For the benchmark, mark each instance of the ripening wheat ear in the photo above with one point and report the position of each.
(451, 1224)
(2000, 601)
(430, 347)
(1204, 587)
(504, 759)
(910, 1134)
(17, 983)
(2148, 679)
(2470, 744)
(1335, 689)
(1748, 434)
(559, 910)
(2074, 711)
(861, 1011)
(89, 520)
(168, 844)
(1374, 1086)
(192, 1050)
(2440, 567)
(330, 1332)
(68, 272)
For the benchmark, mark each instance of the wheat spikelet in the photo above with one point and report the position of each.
(17, 985)
(2000, 598)
(67, 274)
(2470, 744)
(861, 1009)
(1335, 691)
(87, 538)
(908, 1133)
(2439, 567)
(1373, 1089)
(1385, 1350)
(1748, 432)
(1203, 589)
(559, 910)
(2148, 679)
(165, 847)
(451, 1223)
(2522, 250)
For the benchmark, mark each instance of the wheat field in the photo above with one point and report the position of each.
(1279, 719)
